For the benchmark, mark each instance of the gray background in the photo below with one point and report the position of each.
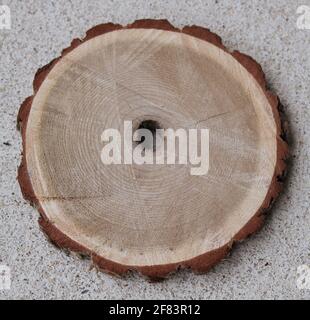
(262, 267)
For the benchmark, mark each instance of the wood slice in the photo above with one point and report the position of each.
(154, 219)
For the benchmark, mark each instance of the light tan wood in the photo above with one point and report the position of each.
(149, 214)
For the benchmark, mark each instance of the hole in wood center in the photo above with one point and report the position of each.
(152, 126)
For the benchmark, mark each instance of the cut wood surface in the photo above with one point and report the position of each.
(154, 219)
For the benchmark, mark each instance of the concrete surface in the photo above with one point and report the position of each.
(263, 267)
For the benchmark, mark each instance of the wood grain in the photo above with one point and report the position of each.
(152, 219)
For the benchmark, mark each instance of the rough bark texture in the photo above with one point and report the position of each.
(199, 264)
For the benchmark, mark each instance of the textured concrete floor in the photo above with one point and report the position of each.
(263, 266)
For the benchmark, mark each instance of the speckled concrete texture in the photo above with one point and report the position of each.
(264, 266)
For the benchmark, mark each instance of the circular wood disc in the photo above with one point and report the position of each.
(150, 218)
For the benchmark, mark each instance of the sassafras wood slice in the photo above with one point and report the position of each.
(153, 219)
